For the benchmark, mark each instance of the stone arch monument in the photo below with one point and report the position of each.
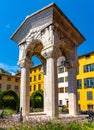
(48, 34)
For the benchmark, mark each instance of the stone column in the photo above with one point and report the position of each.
(72, 64)
(72, 91)
(45, 86)
(50, 84)
(25, 65)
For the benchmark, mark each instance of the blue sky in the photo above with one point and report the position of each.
(13, 12)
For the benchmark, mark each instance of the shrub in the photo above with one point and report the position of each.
(36, 99)
(9, 99)
(0, 100)
(9, 103)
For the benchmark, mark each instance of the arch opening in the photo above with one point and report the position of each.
(34, 50)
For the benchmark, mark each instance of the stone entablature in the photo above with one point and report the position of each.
(43, 18)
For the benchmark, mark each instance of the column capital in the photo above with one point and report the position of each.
(72, 60)
(25, 63)
(74, 64)
(71, 64)
(53, 52)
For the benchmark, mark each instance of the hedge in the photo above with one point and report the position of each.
(10, 103)
(36, 99)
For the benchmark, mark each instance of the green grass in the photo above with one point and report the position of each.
(8, 112)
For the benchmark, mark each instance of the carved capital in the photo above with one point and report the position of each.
(71, 64)
(53, 52)
(74, 64)
(22, 53)
(25, 63)
(71, 59)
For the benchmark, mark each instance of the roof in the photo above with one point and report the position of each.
(86, 54)
(17, 38)
(5, 73)
(36, 66)
(2, 71)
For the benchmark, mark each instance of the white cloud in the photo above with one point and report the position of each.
(8, 68)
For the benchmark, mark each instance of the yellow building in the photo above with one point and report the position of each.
(85, 82)
(9, 81)
(36, 79)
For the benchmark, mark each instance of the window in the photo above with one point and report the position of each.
(89, 67)
(30, 79)
(34, 87)
(92, 67)
(78, 95)
(87, 56)
(34, 78)
(60, 102)
(61, 79)
(66, 89)
(61, 69)
(77, 70)
(0, 87)
(79, 84)
(9, 78)
(8, 86)
(35, 71)
(0, 77)
(16, 88)
(66, 79)
(89, 95)
(39, 86)
(16, 79)
(90, 107)
(89, 83)
(30, 88)
(61, 90)
(39, 77)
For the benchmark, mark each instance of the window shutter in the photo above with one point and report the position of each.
(80, 83)
(92, 67)
(85, 68)
(85, 83)
(92, 82)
